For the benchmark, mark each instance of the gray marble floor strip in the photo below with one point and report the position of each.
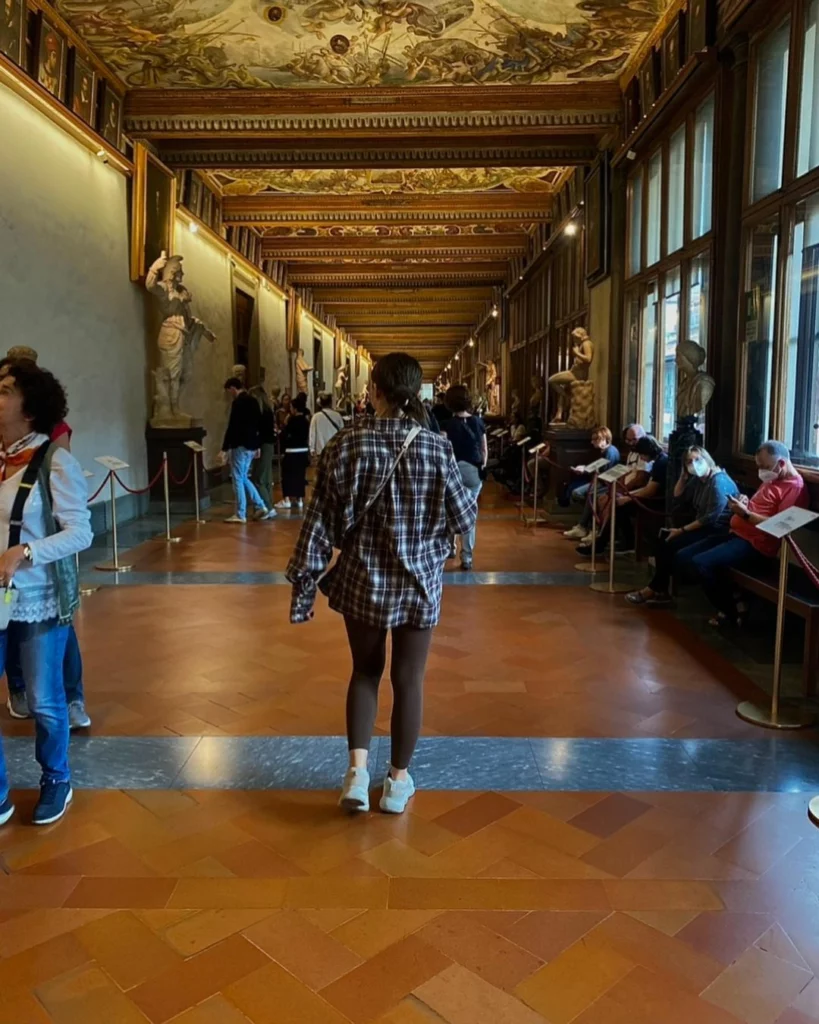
(278, 579)
(768, 764)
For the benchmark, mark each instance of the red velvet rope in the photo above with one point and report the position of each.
(185, 478)
(810, 569)
(98, 492)
(139, 490)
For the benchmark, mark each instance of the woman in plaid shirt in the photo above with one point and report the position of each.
(389, 572)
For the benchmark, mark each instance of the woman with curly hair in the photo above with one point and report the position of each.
(44, 523)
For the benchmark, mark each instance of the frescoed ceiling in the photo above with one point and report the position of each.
(365, 43)
(419, 180)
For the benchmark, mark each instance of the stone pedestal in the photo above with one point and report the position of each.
(180, 459)
(568, 448)
(581, 409)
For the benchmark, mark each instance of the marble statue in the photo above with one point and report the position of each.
(536, 397)
(341, 390)
(695, 387)
(302, 369)
(562, 383)
(178, 337)
(240, 371)
(492, 388)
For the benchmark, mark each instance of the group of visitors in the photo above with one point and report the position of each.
(714, 523)
(259, 427)
(45, 521)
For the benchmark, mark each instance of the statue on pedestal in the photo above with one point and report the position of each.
(302, 369)
(492, 388)
(341, 390)
(695, 388)
(178, 337)
(563, 383)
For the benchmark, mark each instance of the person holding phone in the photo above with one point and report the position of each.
(707, 489)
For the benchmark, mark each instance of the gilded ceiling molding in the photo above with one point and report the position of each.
(137, 124)
(273, 251)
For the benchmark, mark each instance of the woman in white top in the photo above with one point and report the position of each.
(324, 425)
(38, 573)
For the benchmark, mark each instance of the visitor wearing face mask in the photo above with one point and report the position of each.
(781, 488)
(706, 489)
(652, 463)
(578, 488)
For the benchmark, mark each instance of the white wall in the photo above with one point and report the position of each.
(273, 338)
(64, 282)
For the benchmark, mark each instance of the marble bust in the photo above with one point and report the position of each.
(695, 388)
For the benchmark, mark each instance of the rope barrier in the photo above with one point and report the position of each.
(185, 478)
(810, 569)
(98, 492)
(139, 490)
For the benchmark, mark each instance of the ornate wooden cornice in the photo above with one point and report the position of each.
(463, 246)
(352, 297)
(413, 275)
(277, 207)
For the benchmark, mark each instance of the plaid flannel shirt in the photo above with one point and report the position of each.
(390, 570)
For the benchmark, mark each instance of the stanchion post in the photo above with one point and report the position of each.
(535, 514)
(166, 487)
(199, 520)
(777, 717)
(114, 566)
(611, 587)
(591, 567)
(522, 445)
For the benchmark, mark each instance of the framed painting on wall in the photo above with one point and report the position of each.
(13, 18)
(597, 221)
(82, 87)
(648, 83)
(153, 210)
(673, 50)
(194, 198)
(50, 55)
(700, 25)
(110, 116)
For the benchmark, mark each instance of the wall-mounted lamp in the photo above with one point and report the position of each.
(457, 356)
(570, 229)
(471, 342)
(495, 311)
(193, 227)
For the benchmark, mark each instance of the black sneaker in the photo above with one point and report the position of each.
(624, 549)
(53, 803)
(6, 810)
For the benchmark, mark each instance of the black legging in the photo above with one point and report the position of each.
(410, 649)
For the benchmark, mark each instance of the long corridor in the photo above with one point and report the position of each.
(597, 838)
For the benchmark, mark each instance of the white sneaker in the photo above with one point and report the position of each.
(355, 792)
(236, 519)
(576, 533)
(587, 539)
(270, 515)
(300, 504)
(397, 794)
(284, 503)
(259, 513)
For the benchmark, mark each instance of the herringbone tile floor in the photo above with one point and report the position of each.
(235, 907)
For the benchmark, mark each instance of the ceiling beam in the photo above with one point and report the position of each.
(399, 275)
(353, 295)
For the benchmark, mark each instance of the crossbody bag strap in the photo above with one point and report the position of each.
(30, 475)
(405, 447)
(327, 416)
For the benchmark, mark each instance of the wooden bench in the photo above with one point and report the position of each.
(802, 600)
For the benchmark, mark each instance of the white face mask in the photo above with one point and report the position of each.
(646, 467)
(767, 476)
(698, 468)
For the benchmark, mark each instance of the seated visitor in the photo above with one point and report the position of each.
(651, 464)
(578, 489)
(706, 489)
(746, 547)
(45, 524)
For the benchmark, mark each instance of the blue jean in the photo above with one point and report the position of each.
(72, 667)
(472, 481)
(575, 490)
(709, 560)
(241, 459)
(42, 654)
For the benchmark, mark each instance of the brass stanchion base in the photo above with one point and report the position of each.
(787, 717)
(110, 567)
(813, 811)
(588, 567)
(535, 521)
(88, 591)
(168, 540)
(611, 588)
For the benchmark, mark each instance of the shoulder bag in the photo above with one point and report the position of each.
(8, 594)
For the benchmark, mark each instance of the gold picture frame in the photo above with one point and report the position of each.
(153, 211)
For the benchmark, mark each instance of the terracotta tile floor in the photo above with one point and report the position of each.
(471, 908)
(235, 907)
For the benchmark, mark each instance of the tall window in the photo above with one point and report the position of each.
(758, 328)
(698, 299)
(648, 356)
(802, 335)
(632, 355)
(807, 156)
(769, 112)
(670, 337)
(635, 223)
(676, 191)
(703, 168)
(655, 188)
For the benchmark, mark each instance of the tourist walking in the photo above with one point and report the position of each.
(240, 446)
(295, 442)
(467, 434)
(389, 495)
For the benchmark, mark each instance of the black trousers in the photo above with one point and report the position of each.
(665, 556)
(294, 474)
(410, 650)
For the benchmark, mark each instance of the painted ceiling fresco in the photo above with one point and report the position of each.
(417, 180)
(317, 43)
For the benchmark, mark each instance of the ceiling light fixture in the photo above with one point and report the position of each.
(570, 229)
(495, 311)
(471, 342)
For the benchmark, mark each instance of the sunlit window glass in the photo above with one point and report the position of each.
(648, 355)
(676, 190)
(769, 112)
(703, 169)
(758, 332)
(671, 335)
(655, 184)
(807, 156)
(635, 219)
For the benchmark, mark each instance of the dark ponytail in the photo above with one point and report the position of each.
(399, 378)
